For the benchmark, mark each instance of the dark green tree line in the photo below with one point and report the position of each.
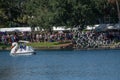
(49, 13)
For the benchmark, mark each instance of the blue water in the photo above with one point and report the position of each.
(61, 65)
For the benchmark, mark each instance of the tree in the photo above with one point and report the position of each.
(12, 13)
(117, 5)
(49, 13)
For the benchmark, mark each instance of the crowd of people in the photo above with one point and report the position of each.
(96, 39)
(7, 38)
(80, 39)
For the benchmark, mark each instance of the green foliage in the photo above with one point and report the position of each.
(11, 12)
(46, 44)
(42, 44)
(48, 13)
(3, 46)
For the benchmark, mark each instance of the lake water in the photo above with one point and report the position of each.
(61, 65)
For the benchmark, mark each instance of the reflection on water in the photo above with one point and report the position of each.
(61, 65)
(5, 73)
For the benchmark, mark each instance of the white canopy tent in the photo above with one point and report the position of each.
(90, 27)
(105, 27)
(16, 29)
(61, 28)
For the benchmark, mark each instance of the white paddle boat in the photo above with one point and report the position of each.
(17, 49)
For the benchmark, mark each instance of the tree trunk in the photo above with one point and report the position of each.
(118, 10)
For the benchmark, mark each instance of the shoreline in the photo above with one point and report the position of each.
(69, 48)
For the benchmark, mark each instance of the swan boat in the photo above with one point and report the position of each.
(16, 50)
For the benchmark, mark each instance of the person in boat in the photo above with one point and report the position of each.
(22, 46)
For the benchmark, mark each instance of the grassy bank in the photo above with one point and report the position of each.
(4, 46)
(60, 45)
(51, 45)
(44, 44)
(41, 45)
